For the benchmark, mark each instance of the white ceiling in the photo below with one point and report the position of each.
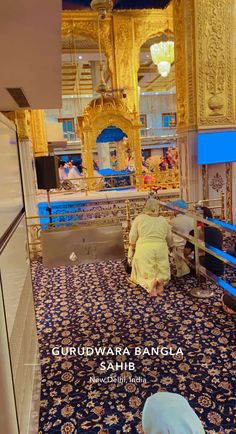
(30, 52)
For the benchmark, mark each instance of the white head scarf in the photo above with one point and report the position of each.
(151, 207)
(170, 413)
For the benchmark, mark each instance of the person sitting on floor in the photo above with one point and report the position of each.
(170, 413)
(214, 238)
(182, 224)
(149, 238)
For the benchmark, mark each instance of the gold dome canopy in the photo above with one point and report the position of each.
(102, 101)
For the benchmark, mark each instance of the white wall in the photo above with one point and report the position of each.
(154, 105)
(151, 105)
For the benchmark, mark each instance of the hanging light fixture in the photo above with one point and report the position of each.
(102, 7)
(162, 56)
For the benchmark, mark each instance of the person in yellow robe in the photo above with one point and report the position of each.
(150, 239)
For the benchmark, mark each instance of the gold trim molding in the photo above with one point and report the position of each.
(22, 120)
(39, 139)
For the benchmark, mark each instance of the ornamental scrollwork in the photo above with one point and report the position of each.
(180, 59)
(215, 61)
(22, 119)
(229, 193)
(217, 182)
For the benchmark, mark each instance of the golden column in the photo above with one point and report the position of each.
(121, 155)
(38, 130)
(22, 120)
(87, 153)
(204, 33)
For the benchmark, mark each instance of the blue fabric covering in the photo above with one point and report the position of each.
(179, 203)
(122, 178)
(106, 172)
(111, 134)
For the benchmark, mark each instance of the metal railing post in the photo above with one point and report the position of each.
(222, 206)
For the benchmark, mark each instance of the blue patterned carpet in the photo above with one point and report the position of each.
(94, 306)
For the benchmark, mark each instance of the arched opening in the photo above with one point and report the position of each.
(112, 150)
(157, 108)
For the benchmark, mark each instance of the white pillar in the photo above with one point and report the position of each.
(104, 155)
(8, 413)
(28, 177)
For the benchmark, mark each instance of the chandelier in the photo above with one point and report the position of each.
(162, 56)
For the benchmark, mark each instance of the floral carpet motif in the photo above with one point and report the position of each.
(94, 306)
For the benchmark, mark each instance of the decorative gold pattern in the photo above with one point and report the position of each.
(109, 111)
(205, 182)
(39, 139)
(229, 199)
(22, 119)
(180, 64)
(215, 62)
(217, 182)
(122, 35)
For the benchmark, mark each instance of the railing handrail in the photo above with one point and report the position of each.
(201, 245)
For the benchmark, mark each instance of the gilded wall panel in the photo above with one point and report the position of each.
(214, 55)
(22, 119)
(150, 23)
(39, 138)
(180, 65)
(126, 57)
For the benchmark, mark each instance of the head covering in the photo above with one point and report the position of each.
(151, 207)
(179, 203)
(170, 413)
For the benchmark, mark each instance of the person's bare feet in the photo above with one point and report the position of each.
(160, 287)
(153, 292)
(157, 288)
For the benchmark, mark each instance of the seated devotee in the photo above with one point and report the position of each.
(149, 238)
(95, 165)
(163, 164)
(130, 164)
(170, 413)
(75, 176)
(73, 171)
(182, 224)
(62, 172)
(214, 238)
(169, 160)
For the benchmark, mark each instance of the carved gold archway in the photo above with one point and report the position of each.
(122, 35)
(108, 111)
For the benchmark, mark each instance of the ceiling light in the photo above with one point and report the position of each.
(162, 56)
(80, 57)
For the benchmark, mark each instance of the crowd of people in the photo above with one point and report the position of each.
(170, 160)
(152, 237)
(75, 172)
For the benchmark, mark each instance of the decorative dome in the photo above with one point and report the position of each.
(102, 100)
